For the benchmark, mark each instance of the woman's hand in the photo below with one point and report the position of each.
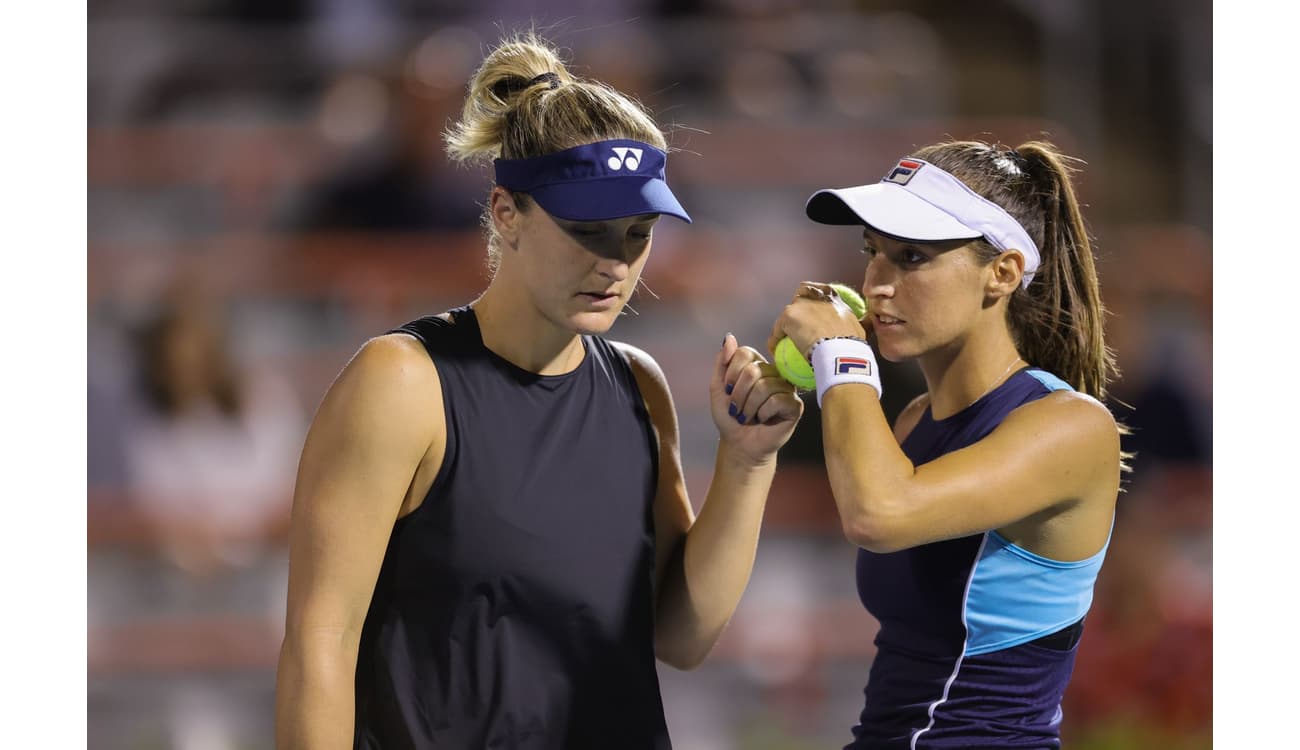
(755, 409)
(816, 312)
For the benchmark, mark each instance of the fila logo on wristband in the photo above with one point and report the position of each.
(852, 366)
(840, 360)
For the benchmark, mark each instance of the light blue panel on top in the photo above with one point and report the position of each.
(1052, 382)
(1016, 596)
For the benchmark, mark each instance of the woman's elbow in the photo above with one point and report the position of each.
(680, 656)
(682, 663)
(873, 533)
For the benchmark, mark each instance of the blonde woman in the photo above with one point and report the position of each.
(491, 541)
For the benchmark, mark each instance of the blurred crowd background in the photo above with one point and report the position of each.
(267, 189)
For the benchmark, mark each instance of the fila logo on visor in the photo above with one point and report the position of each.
(902, 174)
(852, 366)
(625, 157)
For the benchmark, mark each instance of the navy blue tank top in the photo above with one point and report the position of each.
(977, 635)
(514, 607)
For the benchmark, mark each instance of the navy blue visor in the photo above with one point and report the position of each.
(595, 181)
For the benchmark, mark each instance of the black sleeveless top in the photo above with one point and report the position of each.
(514, 607)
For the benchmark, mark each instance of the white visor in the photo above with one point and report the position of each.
(920, 202)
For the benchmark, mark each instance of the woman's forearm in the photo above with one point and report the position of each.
(867, 470)
(703, 584)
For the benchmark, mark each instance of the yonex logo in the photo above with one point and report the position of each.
(626, 157)
(852, 366)
(903, 172)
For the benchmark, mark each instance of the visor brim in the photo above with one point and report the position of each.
(597, 200)
(890, 209)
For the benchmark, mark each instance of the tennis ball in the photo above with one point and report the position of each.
(790, 361)
(792, 366)
(852, 299)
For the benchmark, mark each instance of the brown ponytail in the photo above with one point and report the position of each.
(1057, 321)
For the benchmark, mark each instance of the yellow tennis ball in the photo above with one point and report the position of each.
(791, 363)
(852, 299)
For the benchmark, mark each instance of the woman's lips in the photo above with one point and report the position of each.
(599, 300)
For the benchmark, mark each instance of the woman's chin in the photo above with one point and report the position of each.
(594, 322)
(893, 353)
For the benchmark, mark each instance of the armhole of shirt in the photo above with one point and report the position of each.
(422, 330)
(628, 370)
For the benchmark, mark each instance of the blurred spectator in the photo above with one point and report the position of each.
(211, 456)
(1159, 297)
(395, 176)
(208, 451)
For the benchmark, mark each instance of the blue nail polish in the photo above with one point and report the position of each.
(741, 419)
(731, 410)
(729, 387)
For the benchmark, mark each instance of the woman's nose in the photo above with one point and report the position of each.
(615, 269)
(877, 280)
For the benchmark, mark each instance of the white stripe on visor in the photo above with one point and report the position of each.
(919, 201)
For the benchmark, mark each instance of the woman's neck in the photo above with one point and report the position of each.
(964, 372)
(515, 330)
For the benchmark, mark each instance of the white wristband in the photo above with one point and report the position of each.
(844, 360)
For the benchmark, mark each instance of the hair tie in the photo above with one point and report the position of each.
(507, 87)
(1011, 161)
(552, 78)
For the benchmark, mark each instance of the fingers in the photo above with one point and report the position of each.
(757, 391)
(743, 371)
(793, 319)
(778, 333)
(729, 347)
(807, 319)
(770, 400)
(784, 321)
(815, 290)
(725, 354)
(783, 406)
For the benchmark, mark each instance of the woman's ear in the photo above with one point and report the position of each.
(506, 216)
(1005, 273)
